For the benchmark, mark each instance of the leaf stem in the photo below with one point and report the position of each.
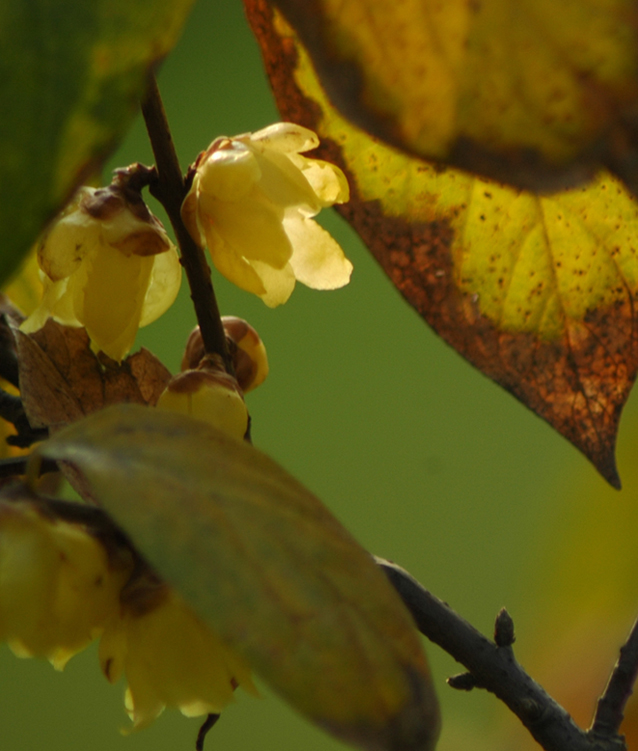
(170, 189)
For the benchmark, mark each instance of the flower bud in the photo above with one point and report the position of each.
(208, 394)
(108, 265)
(247, 351)
(251, 203)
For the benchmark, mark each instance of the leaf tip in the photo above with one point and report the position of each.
(604, 461)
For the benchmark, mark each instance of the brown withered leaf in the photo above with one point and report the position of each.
(62, 379)
(538, 292)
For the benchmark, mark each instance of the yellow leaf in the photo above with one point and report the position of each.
(532, 92)
(266, 565)
(537, 292)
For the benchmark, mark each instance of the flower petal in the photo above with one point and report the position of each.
(284, 184)
(328, 181)
(278, 283)
(166, 279)
(232, 265)
(287, 138)
(252, 228)
(318, 260)
(112, 299)
(65, 245)
(229, 173)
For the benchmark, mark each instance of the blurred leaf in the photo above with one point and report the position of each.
(537, 292)
(25, 288)
(266, 565)
(70, 77)
(535, 93)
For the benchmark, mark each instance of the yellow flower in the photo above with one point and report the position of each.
(107, 265)
(251, 202)
(170, 658)
(57, 586)
(60, 590)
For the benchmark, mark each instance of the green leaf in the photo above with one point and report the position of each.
(71, 74)
(535, 93)
(266, 565)
(537, 292)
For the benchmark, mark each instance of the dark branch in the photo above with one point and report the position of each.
(16, 466)
(611, 705)
(9, 369)
(203, 731)
(495, 668)
(170, 190)
(12, 410)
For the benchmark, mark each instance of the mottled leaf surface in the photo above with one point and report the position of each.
(537, 292)
(534, 93)
(266, 565)
(71, 74)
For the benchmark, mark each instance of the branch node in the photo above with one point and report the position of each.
(504, 629)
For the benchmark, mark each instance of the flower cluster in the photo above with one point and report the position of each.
(60, 589)
(252, 201)
(107, 264)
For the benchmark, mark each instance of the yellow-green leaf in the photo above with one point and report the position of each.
(537, 292)
(266, 565)
(71, 74)
(535, 93)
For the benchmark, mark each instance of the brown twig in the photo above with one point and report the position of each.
(170, 189)
(495, 668)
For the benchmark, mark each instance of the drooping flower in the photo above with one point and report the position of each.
(58, 587)
(169, 658)
(252, 201)
(108, 265)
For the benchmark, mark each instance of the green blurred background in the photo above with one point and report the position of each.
(419, 455)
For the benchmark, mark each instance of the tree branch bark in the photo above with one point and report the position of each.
(495, 668)
(170, 190)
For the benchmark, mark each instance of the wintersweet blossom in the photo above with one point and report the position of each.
(170, 658)
(60, 589)
(108, 265)
(252, 201)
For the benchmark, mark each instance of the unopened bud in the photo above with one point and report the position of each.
(208, 394)
(246, 348)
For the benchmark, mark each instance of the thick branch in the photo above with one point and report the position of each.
(495, 668)
(171, 190)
